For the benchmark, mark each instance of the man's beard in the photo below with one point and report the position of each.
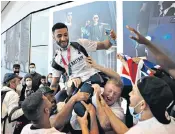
(64, 47)
(16, 72)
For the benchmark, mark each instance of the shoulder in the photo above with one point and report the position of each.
(12, 94)
(134, 130)
(26, 128)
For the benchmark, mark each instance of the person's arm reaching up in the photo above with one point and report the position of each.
(109, 72)
(54, 84)
(104, 45)
(118, 126)
(83, 123)
(62, 117)
(162, 59)
(91, 110)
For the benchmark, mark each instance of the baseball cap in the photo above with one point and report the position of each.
(45, 90)
(10, 76)
(158, 95)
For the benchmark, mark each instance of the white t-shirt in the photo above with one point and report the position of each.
(78, 63)
(152, 126)
(28, 130)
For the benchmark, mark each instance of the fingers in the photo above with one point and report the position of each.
(112, 34)
(103, 103)
(132, 30)
(85, 115)
(77, 82)
(83, 96)
(84, 104)
(134, 38)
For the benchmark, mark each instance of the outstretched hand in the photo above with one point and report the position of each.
(138, 37)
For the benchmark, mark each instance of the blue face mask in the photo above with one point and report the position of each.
(138, 115)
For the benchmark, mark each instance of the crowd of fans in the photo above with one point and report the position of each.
(80, 96)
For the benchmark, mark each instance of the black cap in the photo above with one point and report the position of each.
(46, 90)
(158, 95)
(10, 76)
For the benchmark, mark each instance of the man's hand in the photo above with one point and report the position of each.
(76, 81)
(139, 38)
(97, 89)
(90, 108)
(119, 57)
(103, 102)
(113, 35)
(83, 120)
(80, 96)
(91, 62)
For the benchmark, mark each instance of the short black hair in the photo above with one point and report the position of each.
(16, 66)
(58, 26)
(32, 106)
(43, 77)
(32, 64)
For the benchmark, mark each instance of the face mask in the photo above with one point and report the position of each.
(50, 80)
(29, 83)
(138, 115)
(19, 87)
(32, 70)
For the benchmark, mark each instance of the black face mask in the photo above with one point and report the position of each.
(16, 72)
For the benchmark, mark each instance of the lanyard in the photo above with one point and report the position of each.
(67, 65)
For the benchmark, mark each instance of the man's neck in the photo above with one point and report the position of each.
(42, 124)
(146, 115)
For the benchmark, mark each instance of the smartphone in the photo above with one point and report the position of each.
(107, 31)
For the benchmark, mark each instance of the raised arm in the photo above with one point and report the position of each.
(55, 83)
(83, 123)
(109, 72)
(162, 59)
(104, 45)
(91, 110)
(118, 126)
(62, 117)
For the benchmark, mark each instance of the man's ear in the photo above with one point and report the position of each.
(143, 105)
(53, 36)
(46, 110)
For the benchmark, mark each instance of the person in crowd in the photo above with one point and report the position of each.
(72, 60)
(25, 92)
(149, 100)
(47, 92)
(43, 81)
(37, 108)
(112, 96)
(16, 69)
(41, 117)
(36, 77)
(84, 122)
(49, 79)
(10, 110)
(27, 88)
